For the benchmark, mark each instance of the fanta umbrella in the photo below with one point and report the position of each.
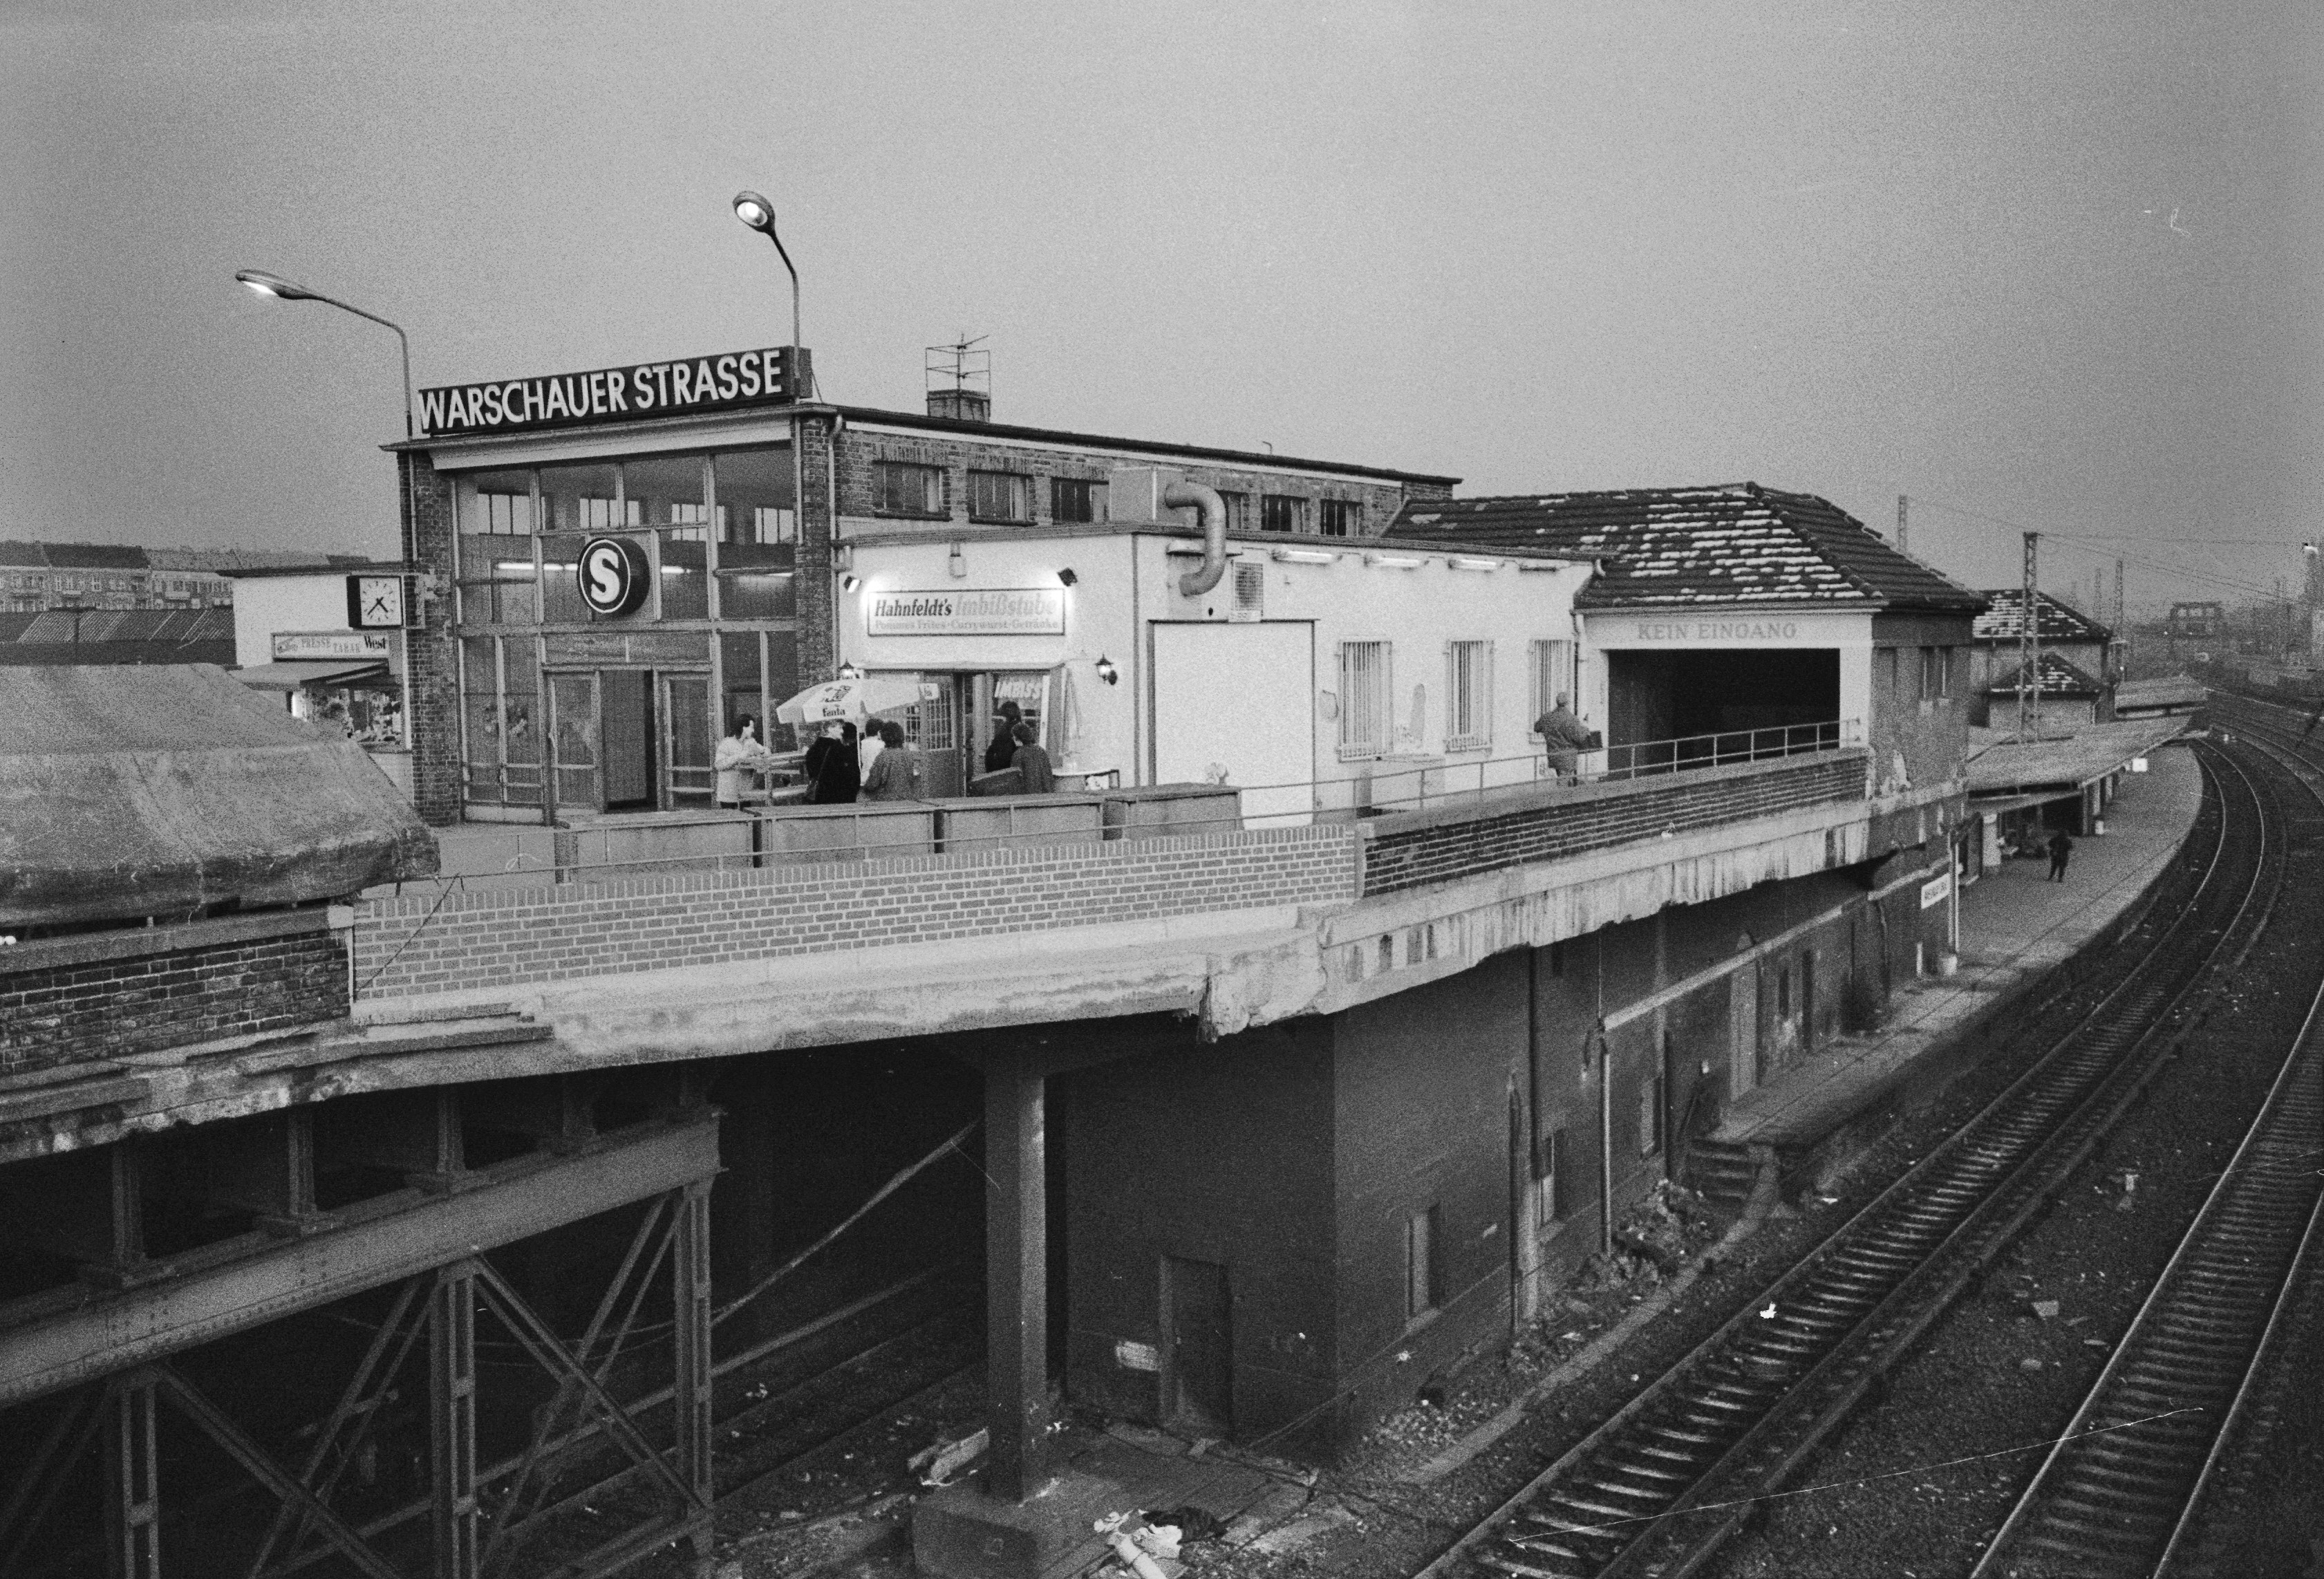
(848, 700)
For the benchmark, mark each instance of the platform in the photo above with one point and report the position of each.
(2015, 927)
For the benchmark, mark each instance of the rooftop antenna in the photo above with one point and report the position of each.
(960, 379)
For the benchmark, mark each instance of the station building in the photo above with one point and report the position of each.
(2079, 665)
(738, 499)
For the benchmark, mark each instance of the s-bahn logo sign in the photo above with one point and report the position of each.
(614, 576)
(616, 395)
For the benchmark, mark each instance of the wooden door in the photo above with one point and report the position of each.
(688, 777)
(1198, 1380)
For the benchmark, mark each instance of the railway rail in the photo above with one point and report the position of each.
(1659, 1486)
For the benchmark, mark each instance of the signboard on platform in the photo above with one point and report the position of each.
(325, 646)
(1003, 611)
(1933, 891)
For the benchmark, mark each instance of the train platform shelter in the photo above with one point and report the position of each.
(2015, 928)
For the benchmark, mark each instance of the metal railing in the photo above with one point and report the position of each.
(1363, 788)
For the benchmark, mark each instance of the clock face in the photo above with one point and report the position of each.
(379, 602)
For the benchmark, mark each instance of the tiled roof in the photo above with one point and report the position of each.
(2055, 678)
(2003, 619)
(1733, 543)
(12, 552)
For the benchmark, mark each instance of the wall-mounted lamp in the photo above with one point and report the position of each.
(1303, 556)
(849, 583)
(1066, 577)
(1106, 670)
(843, 556)
(955, 563)
(849, 671)
(1467, 563)
(1395, 562)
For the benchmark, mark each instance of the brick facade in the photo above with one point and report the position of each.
(500, 937)
(110, 994)
(434, 703)
(817, 661)
(860, 452)
(1441, 849)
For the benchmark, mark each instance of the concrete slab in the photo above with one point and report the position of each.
(959, 1533)
(2015, 928)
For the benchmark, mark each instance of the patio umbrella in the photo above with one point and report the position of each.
(849, 701)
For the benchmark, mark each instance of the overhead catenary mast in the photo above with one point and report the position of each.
(2029, 641)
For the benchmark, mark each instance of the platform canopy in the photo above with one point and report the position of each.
(2005, 773)
(164, 789)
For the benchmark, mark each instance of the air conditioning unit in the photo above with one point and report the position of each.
(1249, 605)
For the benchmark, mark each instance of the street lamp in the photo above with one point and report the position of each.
(755, 212)
(282, 290)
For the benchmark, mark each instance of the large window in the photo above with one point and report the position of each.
(755, 491)
(903, 488)
(585, 497)
(1283, 513)
(1550, 673)
(669, 490)
(1000, 496)
(1237, 510)
(1340, 518)
(1468, 696)
(1076, 501)
(1363, 699)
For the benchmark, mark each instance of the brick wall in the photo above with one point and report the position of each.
(434, 703)
(1401, 857)
(959, 454)
(500, 937)
(110, 994)
(816, 658)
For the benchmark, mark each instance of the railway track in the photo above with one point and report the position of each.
(1661, 1485)
(2194, 1372)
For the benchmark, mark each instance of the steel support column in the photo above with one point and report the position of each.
(1016, 1283)
(452, 1419)
(133, 1498)
(690, 1404)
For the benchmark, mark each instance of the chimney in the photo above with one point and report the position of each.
(961, 405)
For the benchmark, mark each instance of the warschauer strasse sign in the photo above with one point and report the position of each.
(649, 389)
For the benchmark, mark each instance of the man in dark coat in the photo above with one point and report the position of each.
(1034, 773)
(2061, 844)
(1004, 739)
(1565, 737)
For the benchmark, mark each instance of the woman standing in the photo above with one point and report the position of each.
(738, 752)
(830, 766)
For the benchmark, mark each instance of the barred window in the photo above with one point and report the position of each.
(1283, 513)
(1076, 501)
(1469, 696)
(902, 488)
(1339, 517)
(1550, 668)
(1363, 699)
(1000, 496)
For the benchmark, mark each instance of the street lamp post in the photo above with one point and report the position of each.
(282, 290)
(758, 214)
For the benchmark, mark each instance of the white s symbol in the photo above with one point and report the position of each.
(605, 577)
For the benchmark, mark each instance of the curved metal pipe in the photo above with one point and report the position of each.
(1182, 495)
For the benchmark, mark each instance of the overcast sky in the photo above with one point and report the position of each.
(2054, 266)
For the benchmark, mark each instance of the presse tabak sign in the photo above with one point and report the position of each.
(1006, 611)
(649, 389)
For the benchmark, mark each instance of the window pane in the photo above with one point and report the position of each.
(520, 674)
(1238, 511)
(758, 595)
(685, 577)
(579, 497)
(560, 593)
(1282, 512)
(905, 489)
(1339, 517)
(782, 683)
(1000, 496)
(666, 490)
(1074, 501)
(1363, 697)
(755, 499)
(499, 503)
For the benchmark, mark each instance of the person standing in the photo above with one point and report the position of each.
(897, 775)
(1564, 736)
(2061, 845)
(869, 750)
(739, 751)
(830, 766)
(1035, 775)
(998, 755)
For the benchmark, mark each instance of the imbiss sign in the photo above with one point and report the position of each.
(648, 389)
(1009, 611)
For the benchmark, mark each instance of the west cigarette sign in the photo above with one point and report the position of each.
(1023, 611)
(614, 395)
